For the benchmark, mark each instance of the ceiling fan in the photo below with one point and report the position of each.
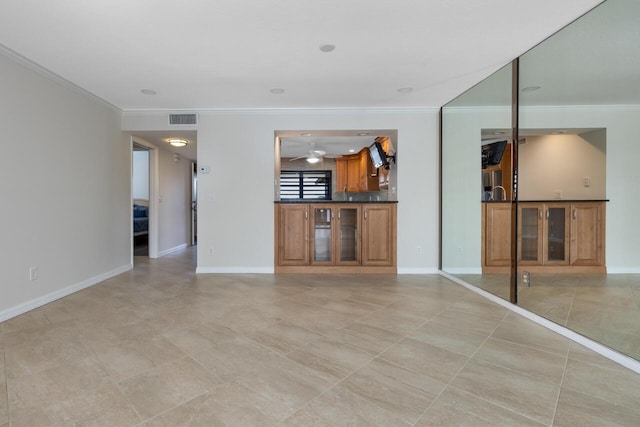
(314, 155)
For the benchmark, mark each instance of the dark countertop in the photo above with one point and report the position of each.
(548, 201)
(358, 202)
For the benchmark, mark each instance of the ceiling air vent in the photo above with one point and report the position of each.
(183, 119)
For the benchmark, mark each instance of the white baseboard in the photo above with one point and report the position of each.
(472, 270)
(418, 271)
(46, 299)
(174, 249)
(603, 350)
(623, 270)
(235, 270)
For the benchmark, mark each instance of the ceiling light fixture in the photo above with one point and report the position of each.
(327, 47)
(148, 91)
(405, 90)
(363, 134)
(177, 142)
(313, 159)
(277, 90)
(559, 132)
(351, 150)
(531, 88)
(305, 134)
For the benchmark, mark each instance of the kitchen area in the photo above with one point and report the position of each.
(335, 202)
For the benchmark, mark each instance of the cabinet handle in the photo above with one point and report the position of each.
(575, 213)
(339, 214)
(547, 213)
(306, 215)
(540, 213)
(365, 214)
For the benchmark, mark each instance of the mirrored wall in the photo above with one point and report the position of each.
(578, 144)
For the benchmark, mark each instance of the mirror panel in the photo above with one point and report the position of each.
(579, 109)
(476, 208)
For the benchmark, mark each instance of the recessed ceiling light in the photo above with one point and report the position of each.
(363, 134)
(405, 89)
(177, 142)
(305, 134)
(277, 90)
(327, 47)
(558, 132)
(148, 91)
(500, 132)
(531, 88)
(351, 150)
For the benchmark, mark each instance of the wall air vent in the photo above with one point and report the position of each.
(183, 119)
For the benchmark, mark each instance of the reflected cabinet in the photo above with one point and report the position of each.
(552, 237)
(335, 237)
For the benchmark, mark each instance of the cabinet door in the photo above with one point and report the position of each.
(497, 251)
(378, 237)
(556, 234)
(341, 175)
(348, 235)
(322, 234)
(530, 236)
(293, 234)
(587, 234)
(353, 175)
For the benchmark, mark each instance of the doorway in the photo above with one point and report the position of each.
(140, 194)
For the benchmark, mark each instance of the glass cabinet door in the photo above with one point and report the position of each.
(348, 235)
(530, 235)
(321, 234)
(556, 235)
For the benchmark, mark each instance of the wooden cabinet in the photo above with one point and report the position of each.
(355, 173)
(553, 237)
(587, 234)
(378, 237)
(335, 234)
(335, 237)
(496, 234)
(292, 247)
(543, 234)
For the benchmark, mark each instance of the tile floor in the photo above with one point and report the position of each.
(605, 308)
(161, 346)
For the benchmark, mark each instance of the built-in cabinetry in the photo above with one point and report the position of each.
(355, 172)
(552, 236)
(331, 237)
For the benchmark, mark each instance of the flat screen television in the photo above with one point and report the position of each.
(378, 156)
(492, 153)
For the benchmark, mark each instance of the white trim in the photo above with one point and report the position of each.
(623, 270)
(50, 75)
(235, 270)
(291, 110)
(418, 271)
(469, 270)
(61, 293)
(603, 350)
(174, 249)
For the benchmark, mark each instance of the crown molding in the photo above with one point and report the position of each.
(50, 75)
(305, 110)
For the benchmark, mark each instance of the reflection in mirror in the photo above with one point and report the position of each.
(476, 184)
(579, 106)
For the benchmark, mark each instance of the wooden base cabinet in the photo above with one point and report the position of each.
(335, 237)
(553, 237)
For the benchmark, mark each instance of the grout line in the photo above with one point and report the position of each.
(6, 382)
(564, 373)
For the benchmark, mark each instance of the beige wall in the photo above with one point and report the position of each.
(551, 163)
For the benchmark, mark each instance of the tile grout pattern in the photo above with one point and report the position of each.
(161, 346)
(605, 308)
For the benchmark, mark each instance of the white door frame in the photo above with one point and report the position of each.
(153, 197)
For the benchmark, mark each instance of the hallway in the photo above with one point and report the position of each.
(162, 346)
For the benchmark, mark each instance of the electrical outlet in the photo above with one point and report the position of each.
(419, 250)
(210, 251)
(587, 181)
(557, 194)
(33, 273)
(459, 250)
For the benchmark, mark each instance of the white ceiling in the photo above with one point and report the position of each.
(202, 54)
(229, 54)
